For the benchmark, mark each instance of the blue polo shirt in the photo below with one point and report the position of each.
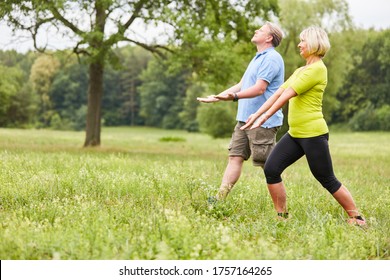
(268, 66)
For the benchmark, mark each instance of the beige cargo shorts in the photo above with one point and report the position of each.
(257, 143)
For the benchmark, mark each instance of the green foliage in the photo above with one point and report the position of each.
(162, 94)
(213, 20)
(42, 74)
(15, 99)
(367, 83)
(24, 61)
(68, 93)
(17, 105)
(332, 15)
(172, 139)
(121, 101)
(188, 114)
(217, 63)
(216, 119)
(211, 49)
(58, 124)
(189, 20)
(137, 198)
(134, 60)
(371, 118)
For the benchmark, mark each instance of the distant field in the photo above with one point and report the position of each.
(143, 193)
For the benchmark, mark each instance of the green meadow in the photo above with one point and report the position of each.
(143, 195)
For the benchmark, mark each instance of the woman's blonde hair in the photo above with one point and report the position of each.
(316, 39)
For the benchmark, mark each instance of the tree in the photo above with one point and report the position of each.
(87, 24)
(10, 84)
(41, 78)
(332, 15)
(67, 94)
(162, 94)
(365, 91)
(188, 114)
(17, 103)
(134, 61)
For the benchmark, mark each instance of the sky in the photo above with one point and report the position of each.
(364, 13)
(370, 13)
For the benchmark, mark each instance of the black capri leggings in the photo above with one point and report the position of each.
(288, 150)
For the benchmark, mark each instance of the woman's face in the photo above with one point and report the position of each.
(303, 51)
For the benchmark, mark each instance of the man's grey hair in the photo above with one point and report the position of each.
(276, 33)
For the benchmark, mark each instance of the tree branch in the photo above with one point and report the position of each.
(135, 14)
(152, 48)
(57, 15)
(34, 32)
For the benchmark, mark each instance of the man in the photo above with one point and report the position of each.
(263, 76)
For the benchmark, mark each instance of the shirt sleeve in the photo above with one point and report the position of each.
(268, 70)
(287, 83)
(308, 78)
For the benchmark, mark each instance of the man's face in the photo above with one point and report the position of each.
(261, 35)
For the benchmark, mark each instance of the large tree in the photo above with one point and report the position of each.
(96, 26)
(41, 77)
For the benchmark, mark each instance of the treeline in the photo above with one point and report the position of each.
(49, 90)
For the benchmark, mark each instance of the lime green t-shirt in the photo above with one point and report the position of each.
(305, 118)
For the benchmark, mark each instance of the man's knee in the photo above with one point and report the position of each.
(236, 159)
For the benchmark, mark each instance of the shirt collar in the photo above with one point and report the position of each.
(264, 52)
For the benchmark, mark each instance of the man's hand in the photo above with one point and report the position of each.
(226, 97)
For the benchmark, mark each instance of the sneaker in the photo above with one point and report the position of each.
(357, 220)
(212, 200)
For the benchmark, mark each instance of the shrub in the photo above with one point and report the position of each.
(216, 120)
(383, 114)
(370, 119)
(172, 139)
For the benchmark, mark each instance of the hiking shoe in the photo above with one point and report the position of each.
(212, 200)
(282, 216)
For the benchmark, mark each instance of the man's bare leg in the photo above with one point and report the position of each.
(230, 177)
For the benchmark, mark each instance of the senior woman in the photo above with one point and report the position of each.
(308, 132)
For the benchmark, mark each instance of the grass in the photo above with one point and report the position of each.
(140, 197)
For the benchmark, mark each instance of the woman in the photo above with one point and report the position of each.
(308, 132)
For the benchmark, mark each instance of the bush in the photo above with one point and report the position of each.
(370, 119)
(172, 139)
(383, 114)
(80, 118)
(216, 120)
(57, 123)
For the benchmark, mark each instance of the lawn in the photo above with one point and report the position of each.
(143, 195)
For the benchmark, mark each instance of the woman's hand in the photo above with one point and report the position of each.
(253, 121)
(252, 118)
(208, 99)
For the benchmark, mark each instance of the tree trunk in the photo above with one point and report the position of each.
(95, 93)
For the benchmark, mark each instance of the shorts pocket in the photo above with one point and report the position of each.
(261, 149)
